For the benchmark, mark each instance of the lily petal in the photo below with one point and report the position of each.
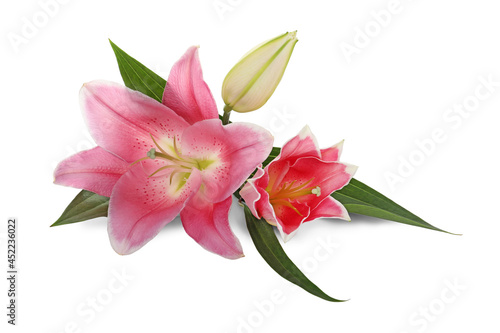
(329, 176)
(257, 199)
(122, 120)
(93, 170)
(329, 207)
(250, 191)
(186, 93)
(332, 154)
(141, 206)
(266, 208)
(302, 145)
(208, 224)
(289, 220)
(231, 153)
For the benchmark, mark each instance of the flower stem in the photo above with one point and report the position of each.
(227, 113)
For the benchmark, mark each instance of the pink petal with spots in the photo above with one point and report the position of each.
(141, 206)
(186, 93)
(121, 120)
(232, 152)
(93, 170)
(208, 224)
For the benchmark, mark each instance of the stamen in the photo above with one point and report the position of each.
(177, 152)
(157, 145)
(286, 203)
(286, 188)
(151, 154)
(139, 160)
(288, 191)
(161, 169)
(303, 185)
(172, 176)
(316, 191)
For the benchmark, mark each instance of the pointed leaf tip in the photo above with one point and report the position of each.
(138, 77)
(359, 198)
(85, 206)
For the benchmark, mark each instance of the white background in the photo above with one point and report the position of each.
(394, 91)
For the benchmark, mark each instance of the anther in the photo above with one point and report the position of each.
(152, 153)
(316, 190)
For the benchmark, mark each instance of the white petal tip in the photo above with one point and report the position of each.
(346, 216)
(351, 169)
(287, 237)
(305, 132)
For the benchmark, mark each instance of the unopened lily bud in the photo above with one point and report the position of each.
(252, 81)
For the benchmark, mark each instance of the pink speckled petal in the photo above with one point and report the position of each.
(235, 149)
(93, 170)
(208, 224)
(141, 206)
(121, 120)
(186, 93)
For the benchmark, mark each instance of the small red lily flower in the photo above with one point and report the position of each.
(296, 186)
(156, 160)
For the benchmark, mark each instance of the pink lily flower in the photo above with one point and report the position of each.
(296, 186)
(156, 160)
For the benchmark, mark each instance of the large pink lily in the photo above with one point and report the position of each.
(296, 186)
(156, 160)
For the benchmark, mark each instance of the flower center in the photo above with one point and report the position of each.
(176, 161)
(289, 192)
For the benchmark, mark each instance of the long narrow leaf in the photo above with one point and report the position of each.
(359, 198)
(267, 244)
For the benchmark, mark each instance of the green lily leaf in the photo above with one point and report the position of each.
(85, 206)
(138, 77)
(359, 198)
(267, 244)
